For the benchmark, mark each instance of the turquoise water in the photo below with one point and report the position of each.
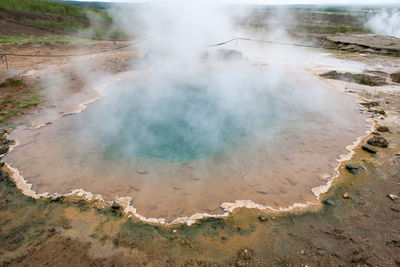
(180, 120)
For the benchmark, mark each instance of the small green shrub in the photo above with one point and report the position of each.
(16, 83)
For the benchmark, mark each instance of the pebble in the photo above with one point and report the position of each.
(351, 168)
(330, 202)
(263, 218)
(392, 196)
(382, 129)
(116, 206)
(369, 149)
(358, 201)
(346, 195)
(378, 141)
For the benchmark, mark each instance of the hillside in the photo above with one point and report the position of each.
(56, 17)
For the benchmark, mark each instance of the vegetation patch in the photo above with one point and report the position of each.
(60, 17)
(66, 24)
(364, 79)
(46, 39)
(22, 98)
(47, 7)
(331, 29)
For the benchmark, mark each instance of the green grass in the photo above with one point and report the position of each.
(43, 7)
(360, 80)
(108, 33)
(331, 29)
(30, 99)
(54, 15)
(8, 114)
(68, 24)
(46, 39)
(16, 83)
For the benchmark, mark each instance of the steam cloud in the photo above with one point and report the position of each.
(386, 22)
(190, 103)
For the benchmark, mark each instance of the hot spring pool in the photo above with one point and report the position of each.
(186, 144)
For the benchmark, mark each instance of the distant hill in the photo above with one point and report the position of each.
(61, 16)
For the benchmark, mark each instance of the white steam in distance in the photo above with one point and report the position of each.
(386, 22)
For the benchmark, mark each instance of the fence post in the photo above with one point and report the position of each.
(4, 57)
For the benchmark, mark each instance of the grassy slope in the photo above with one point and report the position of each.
(60, 17)
(39, 41)
(42, 7)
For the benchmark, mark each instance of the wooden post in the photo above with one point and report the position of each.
(4, 57)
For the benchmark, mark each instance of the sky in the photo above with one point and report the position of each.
(283, 2)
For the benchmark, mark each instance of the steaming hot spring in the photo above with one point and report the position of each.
(184, 139)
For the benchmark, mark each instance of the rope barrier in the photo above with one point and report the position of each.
(262, 41)
(133, 43)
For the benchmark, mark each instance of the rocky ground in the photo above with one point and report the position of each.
(356, 224)
(366, 43)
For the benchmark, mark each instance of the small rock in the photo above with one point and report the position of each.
(369, 149)
(346, 195)
(370, 104)
(378, 141)
(396, 207)
(352, 169)
(382, 129)
(395, 77)
(357, 200)
(263, 218)
(381, 112)
(392, 196)
(376, 133)
(245, 254)
(116, 206)
(362, 168)
(330, 202)
(3, 149)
